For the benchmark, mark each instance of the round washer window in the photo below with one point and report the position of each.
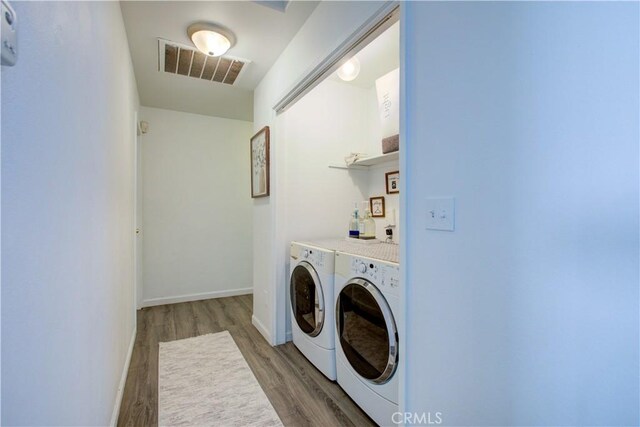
(367, 331)
(307, 300)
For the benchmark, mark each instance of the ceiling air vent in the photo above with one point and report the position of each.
(175, 58)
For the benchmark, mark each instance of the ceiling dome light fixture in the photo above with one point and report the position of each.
(349, 70)
(211, 39)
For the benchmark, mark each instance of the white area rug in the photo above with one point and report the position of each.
(205, 381)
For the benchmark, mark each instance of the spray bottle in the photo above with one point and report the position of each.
(354, 229)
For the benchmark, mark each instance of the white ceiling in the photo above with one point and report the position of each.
(377, 58)
(262, 34)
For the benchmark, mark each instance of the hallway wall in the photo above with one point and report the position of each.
(68, 153)
(528, 114)
(196, 226)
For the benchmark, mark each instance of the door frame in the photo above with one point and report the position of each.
(137, 209)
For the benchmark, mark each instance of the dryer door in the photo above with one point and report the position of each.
(307, 299)
(367, 331)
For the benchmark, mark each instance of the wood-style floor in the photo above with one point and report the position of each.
(300, 394)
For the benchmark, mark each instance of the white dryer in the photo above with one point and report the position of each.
(312, 305)
(367, 301)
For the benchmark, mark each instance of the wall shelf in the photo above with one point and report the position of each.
(363, 164)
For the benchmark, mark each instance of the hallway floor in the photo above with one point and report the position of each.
(300, 394)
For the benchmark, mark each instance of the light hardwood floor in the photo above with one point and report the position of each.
(300, 394)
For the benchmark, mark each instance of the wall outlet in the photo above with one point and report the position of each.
(441, 213)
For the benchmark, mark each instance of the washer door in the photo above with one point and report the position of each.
(307, 299)
(367, 331)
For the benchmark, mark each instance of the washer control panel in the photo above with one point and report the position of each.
(384, 275)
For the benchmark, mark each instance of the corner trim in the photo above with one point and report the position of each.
(195, 297)
(123, 379)
(260, 327)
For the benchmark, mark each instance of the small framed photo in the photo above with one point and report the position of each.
(260, 163)
(377, 206)
(393, 182)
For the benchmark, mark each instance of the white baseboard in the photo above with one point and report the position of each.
(123, 378)
(195, 297)
(260, 327)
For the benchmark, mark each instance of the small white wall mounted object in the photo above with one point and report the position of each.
(392, 221)
(143, 127)
(9, 44)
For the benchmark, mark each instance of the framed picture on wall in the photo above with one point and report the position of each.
(377, 206)
(260, 163)
(393, 182)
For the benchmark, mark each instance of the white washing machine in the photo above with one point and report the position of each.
(367, 299)
(312, 305)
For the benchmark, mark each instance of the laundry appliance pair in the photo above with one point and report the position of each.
(344, 300)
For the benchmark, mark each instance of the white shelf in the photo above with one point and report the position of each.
(363, 164)
(376, 160)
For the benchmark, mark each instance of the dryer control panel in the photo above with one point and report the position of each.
(317, 258)
(384, 275)
(320, 259)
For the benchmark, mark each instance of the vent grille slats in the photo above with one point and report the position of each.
(209, 68)
(221, 72)
(178, 59)
(170, 58)
(184, 61)
(197, 64)
(234, 71)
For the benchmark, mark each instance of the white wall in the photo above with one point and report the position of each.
(376, 187)
(311, 45)
(67, 214)
(321, 129)
(197, 239)
(326, 125)
(376, 177)
(528, 114)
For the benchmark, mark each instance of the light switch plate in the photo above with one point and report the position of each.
(441, 213)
